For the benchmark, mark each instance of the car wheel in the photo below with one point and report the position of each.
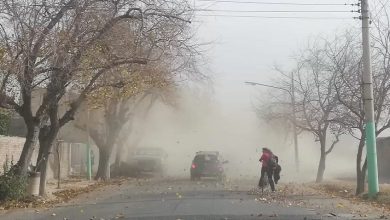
(194, 177)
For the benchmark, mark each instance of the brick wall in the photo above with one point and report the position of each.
(10, 147)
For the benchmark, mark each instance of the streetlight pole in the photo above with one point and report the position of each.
(294, 122)
(368, 101)
(292, 96)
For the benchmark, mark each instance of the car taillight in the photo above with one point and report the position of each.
(193, 166)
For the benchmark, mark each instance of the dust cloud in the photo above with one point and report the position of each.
(198, 122)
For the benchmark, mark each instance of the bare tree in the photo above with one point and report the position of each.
(173, 60)
(53, 44)
(121, 95)
(347, 62)
(336, 65)
(126, 133)
(316, 103)
(105, 136)
(141, 110)
(342, 57)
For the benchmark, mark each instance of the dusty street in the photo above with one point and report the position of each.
(207, 199)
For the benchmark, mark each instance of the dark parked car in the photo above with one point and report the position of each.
(207, 164)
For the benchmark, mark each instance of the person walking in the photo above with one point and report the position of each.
(268, 164)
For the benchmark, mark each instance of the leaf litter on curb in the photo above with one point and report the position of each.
(314, 196)
(120, 216)
(59, 196)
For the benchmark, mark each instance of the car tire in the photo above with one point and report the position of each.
(195, 178)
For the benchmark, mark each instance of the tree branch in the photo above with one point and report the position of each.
(333, 144)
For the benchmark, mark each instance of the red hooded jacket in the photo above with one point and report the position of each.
(265, 157)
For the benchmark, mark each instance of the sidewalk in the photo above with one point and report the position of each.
(69, 189)
(346, 190)
(338, 202)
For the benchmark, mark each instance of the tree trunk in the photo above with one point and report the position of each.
(120, 146)
(47, 138)
(361, 179)
(28, 148)
(321, 168)
(360, 172)
(103, 171)
(118, 156)
(321, 164)
(105, 146)
(42, 183)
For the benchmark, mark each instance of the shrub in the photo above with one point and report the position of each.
(12, 186)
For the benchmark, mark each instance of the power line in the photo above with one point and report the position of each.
(277, 17)
(270, 11)
(279, 3)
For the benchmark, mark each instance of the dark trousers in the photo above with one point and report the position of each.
(269, 172)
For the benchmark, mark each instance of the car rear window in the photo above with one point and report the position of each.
(205, 157)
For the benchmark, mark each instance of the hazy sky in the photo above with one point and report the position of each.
(246, 49)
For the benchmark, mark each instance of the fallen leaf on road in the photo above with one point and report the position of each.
(120, 215)
(332, 214)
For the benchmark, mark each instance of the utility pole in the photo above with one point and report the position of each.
(295, 132)
(368, 101)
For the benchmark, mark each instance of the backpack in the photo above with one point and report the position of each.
(273, 161)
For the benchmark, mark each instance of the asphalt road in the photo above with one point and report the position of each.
(168, 199)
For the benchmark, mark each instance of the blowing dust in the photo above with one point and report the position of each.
(199, 123)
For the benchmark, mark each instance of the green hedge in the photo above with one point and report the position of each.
(12, 186)
(5, 119)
